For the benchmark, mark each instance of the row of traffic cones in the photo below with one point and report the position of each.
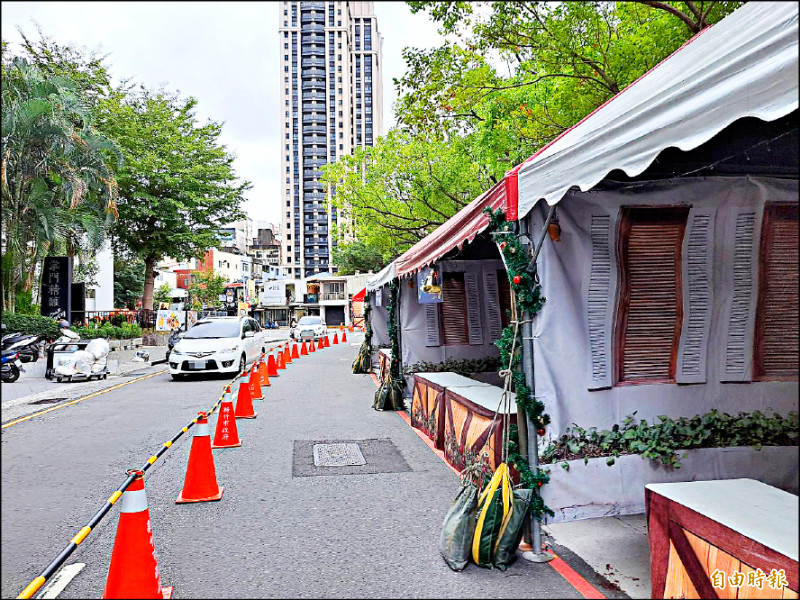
(133, 572)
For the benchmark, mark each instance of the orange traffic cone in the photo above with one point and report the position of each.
(200, 484)
(280, 363)
(344, 336)
(133, 572)
(311, 346)
(350, 329)
(294, 351)
(287, 355)
(262, 371)
(303, 349)
(326, 342)
(272, 369)
(226, 434)
(244, 401)
(336, 338)
(320, 344)
(255, 384)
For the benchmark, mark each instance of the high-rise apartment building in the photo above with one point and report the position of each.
(332, 101)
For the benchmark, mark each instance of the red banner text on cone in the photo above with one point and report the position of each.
(262, 370)
(133, 572)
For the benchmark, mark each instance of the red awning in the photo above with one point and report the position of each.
(359, 297)
(461, 227)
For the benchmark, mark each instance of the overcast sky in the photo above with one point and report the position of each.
(225, 54)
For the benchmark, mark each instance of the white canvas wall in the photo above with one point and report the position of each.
(562, 350)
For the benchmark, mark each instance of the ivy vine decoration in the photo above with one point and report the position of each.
(390, 395)
(363, 361)
(528, 296)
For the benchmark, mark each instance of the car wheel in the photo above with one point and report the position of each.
(242, 363)
(177, 377)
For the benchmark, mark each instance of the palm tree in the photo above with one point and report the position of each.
(58, 193)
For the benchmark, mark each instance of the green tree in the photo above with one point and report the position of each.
(357, 256)
(58, 191)
(205, 289)
(177, 186)
(163, 293)
(128, 281)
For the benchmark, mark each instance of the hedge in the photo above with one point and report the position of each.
(31, 325)
(123, 332)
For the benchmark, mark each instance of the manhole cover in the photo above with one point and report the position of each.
(338, 455)
(47, 401)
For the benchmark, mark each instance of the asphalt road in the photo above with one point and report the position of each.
(276, 532)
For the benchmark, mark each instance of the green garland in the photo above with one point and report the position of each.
(390, 395)
(363, 362)
(528, 293)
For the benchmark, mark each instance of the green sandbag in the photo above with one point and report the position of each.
(459, 528)
(506, 552)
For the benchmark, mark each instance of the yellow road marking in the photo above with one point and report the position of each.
(93, 395)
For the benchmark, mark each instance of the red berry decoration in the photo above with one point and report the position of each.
(540, 431)
(502, 245)
(539, 483)
(517, 279)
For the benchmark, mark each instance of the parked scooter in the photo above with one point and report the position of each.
(28, 346)
(10, 366)
(173, 340)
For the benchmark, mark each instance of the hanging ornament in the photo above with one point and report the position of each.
(540, 431)
(503, 245)
(517, 279)
(512, 250)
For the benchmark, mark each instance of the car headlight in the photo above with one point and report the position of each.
(231, 349)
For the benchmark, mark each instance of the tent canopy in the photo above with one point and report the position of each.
(382, 277)
(359, 297)
(461, 227)
(744, 66)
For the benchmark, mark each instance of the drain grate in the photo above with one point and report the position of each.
(47, 401)
(338, 455)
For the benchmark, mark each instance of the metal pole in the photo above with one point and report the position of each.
(537, 554)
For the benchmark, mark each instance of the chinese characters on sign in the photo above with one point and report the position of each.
(776, 579)
(56, 288)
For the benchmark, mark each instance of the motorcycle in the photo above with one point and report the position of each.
(173, 340)
(28, 346)
(10, 366)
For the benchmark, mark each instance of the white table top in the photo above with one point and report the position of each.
(449, 379)
(487, 396)
(752, 508)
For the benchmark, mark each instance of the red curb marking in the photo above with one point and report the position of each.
(584, 588)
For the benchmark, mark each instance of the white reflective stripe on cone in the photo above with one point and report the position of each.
(201, 429)
(133, 502)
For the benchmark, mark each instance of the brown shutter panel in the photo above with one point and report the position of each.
(777, 321)
(504, 291)
(475, 326)
(651, 310)
(454, 309)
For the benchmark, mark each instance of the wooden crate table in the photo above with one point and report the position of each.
(468, 421)
(703, 533)
(384, 362)
(427, 402)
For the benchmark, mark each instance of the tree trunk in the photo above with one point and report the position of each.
(149, 283)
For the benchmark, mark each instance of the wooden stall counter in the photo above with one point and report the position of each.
(728, 538)
(427, 402)
(468, 431)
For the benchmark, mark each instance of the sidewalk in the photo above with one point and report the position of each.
(289, 529)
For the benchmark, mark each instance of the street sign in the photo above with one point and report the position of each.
(57, 288)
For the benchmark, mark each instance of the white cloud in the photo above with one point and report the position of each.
(223, 54)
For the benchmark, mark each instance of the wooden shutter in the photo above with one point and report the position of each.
(493, 309)
(474, 325)
(504, 290)
(740, 318)
(454, 310)
(651, 306)
(698, 300)
(776, 338)
(432, 325)
(601, 285)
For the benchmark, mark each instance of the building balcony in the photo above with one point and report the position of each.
(315, 119)
(310, 5)
(314, 139)
(312, 28)
(309, 107)
(314, 95)
(333, 296)
(312, 39)
(312, 72)
(310, 173)
(312, 196)
(308, 130)
(318, 51)
(311, 152)
(313, 85)
(314, 162)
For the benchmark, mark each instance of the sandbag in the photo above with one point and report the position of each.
(98, 348)
(83, 361)
(506, 552)
(458, 528)
(494, 510)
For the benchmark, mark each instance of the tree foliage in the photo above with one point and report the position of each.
(206, 288)
(128, 281)
(177, 186)
(357, 256)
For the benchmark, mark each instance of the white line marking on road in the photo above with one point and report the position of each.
(61, 580)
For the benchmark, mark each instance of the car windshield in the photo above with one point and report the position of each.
(213, 330)
(310, 321)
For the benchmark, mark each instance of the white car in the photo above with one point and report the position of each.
(217, 345)
(310, 327)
